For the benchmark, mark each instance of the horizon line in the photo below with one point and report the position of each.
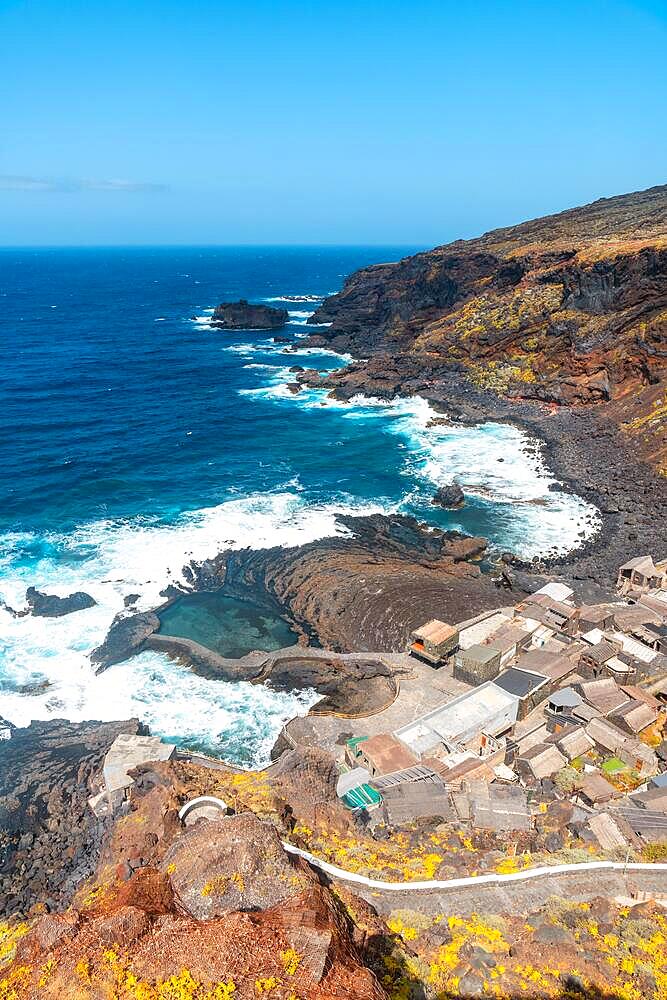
(203, 246)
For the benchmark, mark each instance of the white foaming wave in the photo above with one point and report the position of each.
(203, 321)
(298, 314)
(304, 352)
(240, 721)
(296, 298)
(49, 657)
(493, 462)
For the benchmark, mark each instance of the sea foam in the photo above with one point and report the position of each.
(46, 667)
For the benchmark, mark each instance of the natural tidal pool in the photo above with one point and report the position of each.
(226, 625)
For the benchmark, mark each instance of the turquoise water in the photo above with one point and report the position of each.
(136, 438)
(225, 625)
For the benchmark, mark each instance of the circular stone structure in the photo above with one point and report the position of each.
(203, 807)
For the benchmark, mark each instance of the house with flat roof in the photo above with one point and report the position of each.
(382, 754)
(485, 709)
(127, 752)
(481, 628)
(477, 664)
(511, 639)
(526, 685)
(556, 591)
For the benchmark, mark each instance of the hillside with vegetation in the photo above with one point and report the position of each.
(566, 310)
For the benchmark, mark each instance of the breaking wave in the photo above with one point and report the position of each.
(46, 667)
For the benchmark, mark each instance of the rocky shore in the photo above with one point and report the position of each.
(348, 596)
(558, 325)
(586, 452)
(364, 590)
(49, 839)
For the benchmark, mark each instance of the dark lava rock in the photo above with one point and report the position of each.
(124, 639)
(50, 606)
(244, 315)
(549, 934)
(48, 770)
(449, 496)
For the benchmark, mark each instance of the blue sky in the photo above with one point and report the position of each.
(370, 121)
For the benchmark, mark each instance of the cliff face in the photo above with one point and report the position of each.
(569, 309)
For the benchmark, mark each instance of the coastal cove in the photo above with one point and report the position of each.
(139, 439)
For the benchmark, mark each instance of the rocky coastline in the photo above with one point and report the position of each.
(583, 450)
(50, 841)
(348, 596)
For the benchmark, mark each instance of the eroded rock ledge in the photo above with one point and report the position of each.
(352, 594)
(362, 591)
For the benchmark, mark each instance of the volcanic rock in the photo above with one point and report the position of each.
(48, 770)
(360, 592)
(244, 315)
(233, 863)
(125, 638)
(569, 309)
(51, 606)
(449, 497)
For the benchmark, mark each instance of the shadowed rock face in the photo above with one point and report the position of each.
(125, 637)
(567, 310)
(244, 315)
(49, 838)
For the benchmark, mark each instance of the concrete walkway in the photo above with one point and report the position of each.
(421, 689)
(517, 893)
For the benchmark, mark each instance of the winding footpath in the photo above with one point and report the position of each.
(514, 893)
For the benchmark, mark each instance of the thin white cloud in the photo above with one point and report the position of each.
(16, 182)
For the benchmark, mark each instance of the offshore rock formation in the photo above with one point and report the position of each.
(244, 315)
(125, 637)
(566, 310)
(51, 606)
(363, 591)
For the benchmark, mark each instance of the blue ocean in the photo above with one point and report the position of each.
(136, 437)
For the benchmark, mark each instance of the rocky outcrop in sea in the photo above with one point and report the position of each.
(244, 315)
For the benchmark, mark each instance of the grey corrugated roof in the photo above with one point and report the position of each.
(519, 682)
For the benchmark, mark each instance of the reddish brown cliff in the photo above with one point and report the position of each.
(569, 309)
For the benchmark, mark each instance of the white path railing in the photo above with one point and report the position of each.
(471, 881)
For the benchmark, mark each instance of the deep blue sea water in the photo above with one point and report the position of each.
(135, 437)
